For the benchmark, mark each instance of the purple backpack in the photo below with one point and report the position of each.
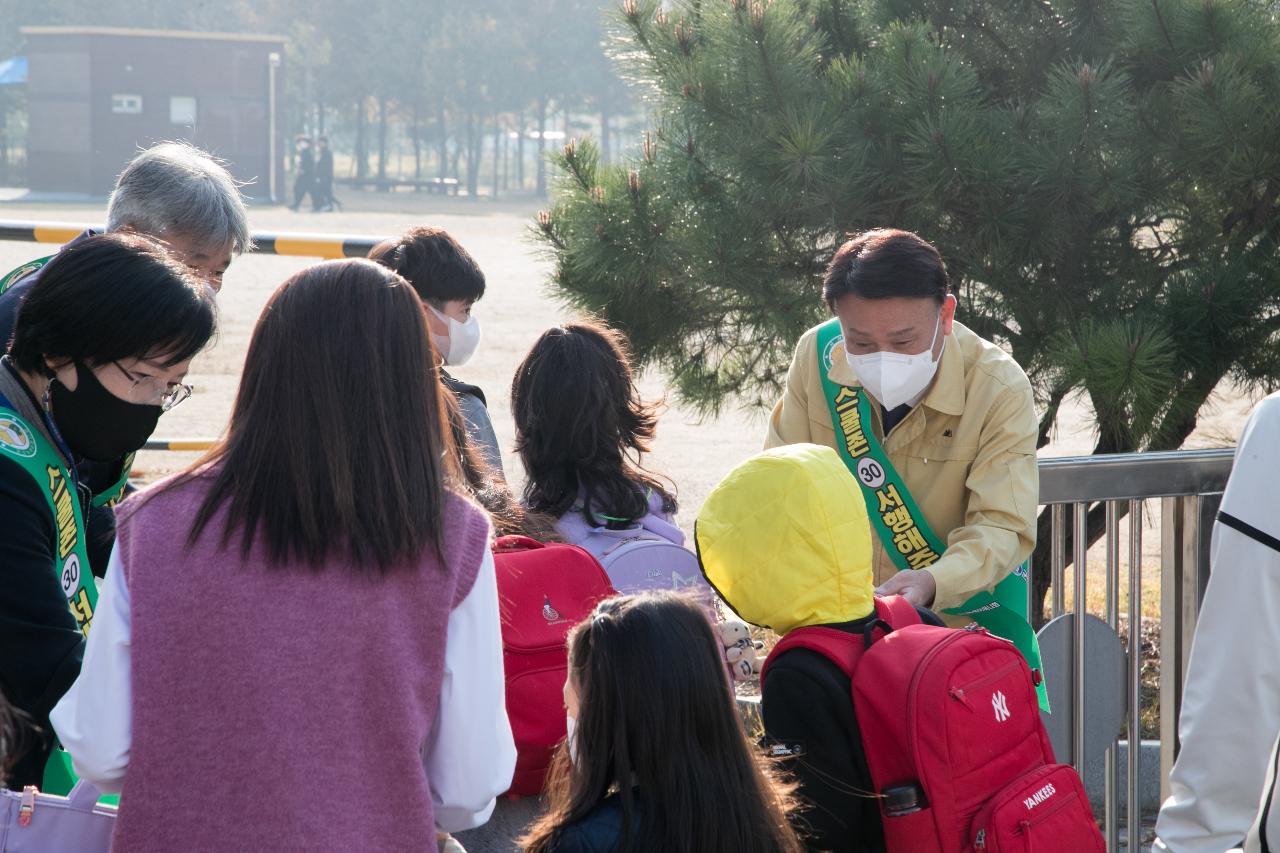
(31, 822)
(648, 555)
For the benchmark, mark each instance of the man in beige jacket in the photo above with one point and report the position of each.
(954, 413)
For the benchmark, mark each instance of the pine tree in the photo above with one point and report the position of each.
(1102, 177)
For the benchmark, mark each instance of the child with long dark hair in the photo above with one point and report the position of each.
(656, 757)
(581, 430)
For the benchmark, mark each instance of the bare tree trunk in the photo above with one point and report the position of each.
(504, 139)
(382, 138)
(473, 160)
(362, 143)
(443, 144)
(417, 140)
(497, 166)
(541, 187)
(520, 151)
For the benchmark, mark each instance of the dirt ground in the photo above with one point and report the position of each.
(516, 309)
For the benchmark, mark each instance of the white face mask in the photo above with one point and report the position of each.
(571, 725)
(460, 343)
(895, 379)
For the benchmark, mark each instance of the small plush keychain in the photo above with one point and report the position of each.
(739, 649)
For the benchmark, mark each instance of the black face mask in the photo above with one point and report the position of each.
(95, 423)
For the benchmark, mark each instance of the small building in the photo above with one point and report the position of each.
(96, 95)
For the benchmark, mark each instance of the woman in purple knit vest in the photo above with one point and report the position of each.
(297, 647)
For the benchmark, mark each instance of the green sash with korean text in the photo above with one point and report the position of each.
(25, 445)
(898, 521)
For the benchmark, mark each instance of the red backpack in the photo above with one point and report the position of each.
(954, 742)
(543, 591)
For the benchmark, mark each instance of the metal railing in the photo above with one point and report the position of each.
(264, 242)
(1189, 486)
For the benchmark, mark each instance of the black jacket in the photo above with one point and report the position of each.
(598, 832)
(324, 167)
(41, 645)
(807, 705)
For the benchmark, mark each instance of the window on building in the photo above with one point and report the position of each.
(126, 104)
(182, 110)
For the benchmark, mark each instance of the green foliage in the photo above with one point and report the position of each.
(1101, 176)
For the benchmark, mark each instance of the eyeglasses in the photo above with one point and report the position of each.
(153, 391)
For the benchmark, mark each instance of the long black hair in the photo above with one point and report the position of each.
(581, 427)
(658, 728)
(488, 488)
(339, 439)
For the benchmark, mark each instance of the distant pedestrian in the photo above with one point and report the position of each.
(305, 182)
(322, 195)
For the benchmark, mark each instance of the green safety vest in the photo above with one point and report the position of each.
(109, 496)
(898, 521)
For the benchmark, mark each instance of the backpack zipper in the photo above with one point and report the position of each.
(960, 693)
(913, 745)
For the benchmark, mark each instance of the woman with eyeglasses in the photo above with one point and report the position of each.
(99, 350)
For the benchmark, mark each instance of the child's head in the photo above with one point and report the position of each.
(581, 425)
(784, 539)
(655, 720)
(446, 278)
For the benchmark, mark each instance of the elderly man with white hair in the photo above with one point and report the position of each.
(176, 193)
(183, 197)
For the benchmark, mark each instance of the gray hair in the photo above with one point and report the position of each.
(176, 188)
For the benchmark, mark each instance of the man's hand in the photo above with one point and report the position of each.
(915, 585)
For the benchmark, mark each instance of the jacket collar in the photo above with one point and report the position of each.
(945, 394)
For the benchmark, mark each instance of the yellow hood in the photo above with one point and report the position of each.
(785, 540)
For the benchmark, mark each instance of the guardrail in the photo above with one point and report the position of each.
(327, 246)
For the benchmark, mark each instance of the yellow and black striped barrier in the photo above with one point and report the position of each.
(180, 444)
(264, 242)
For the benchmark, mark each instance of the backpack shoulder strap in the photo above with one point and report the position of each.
(897, 611)
(839, 647)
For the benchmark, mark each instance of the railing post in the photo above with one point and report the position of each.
(1134, 810)
(1172, 669)
(1111, 782)
(1058, 557)
(1186, 532)
(1080, 561)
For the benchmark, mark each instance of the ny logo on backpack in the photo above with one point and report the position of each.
(954, 743)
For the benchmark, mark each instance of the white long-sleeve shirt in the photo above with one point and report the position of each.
(469, 757)
(1231, 705)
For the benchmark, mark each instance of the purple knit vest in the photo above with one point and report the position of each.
(277, 709)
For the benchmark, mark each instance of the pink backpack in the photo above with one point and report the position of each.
(543, 591)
